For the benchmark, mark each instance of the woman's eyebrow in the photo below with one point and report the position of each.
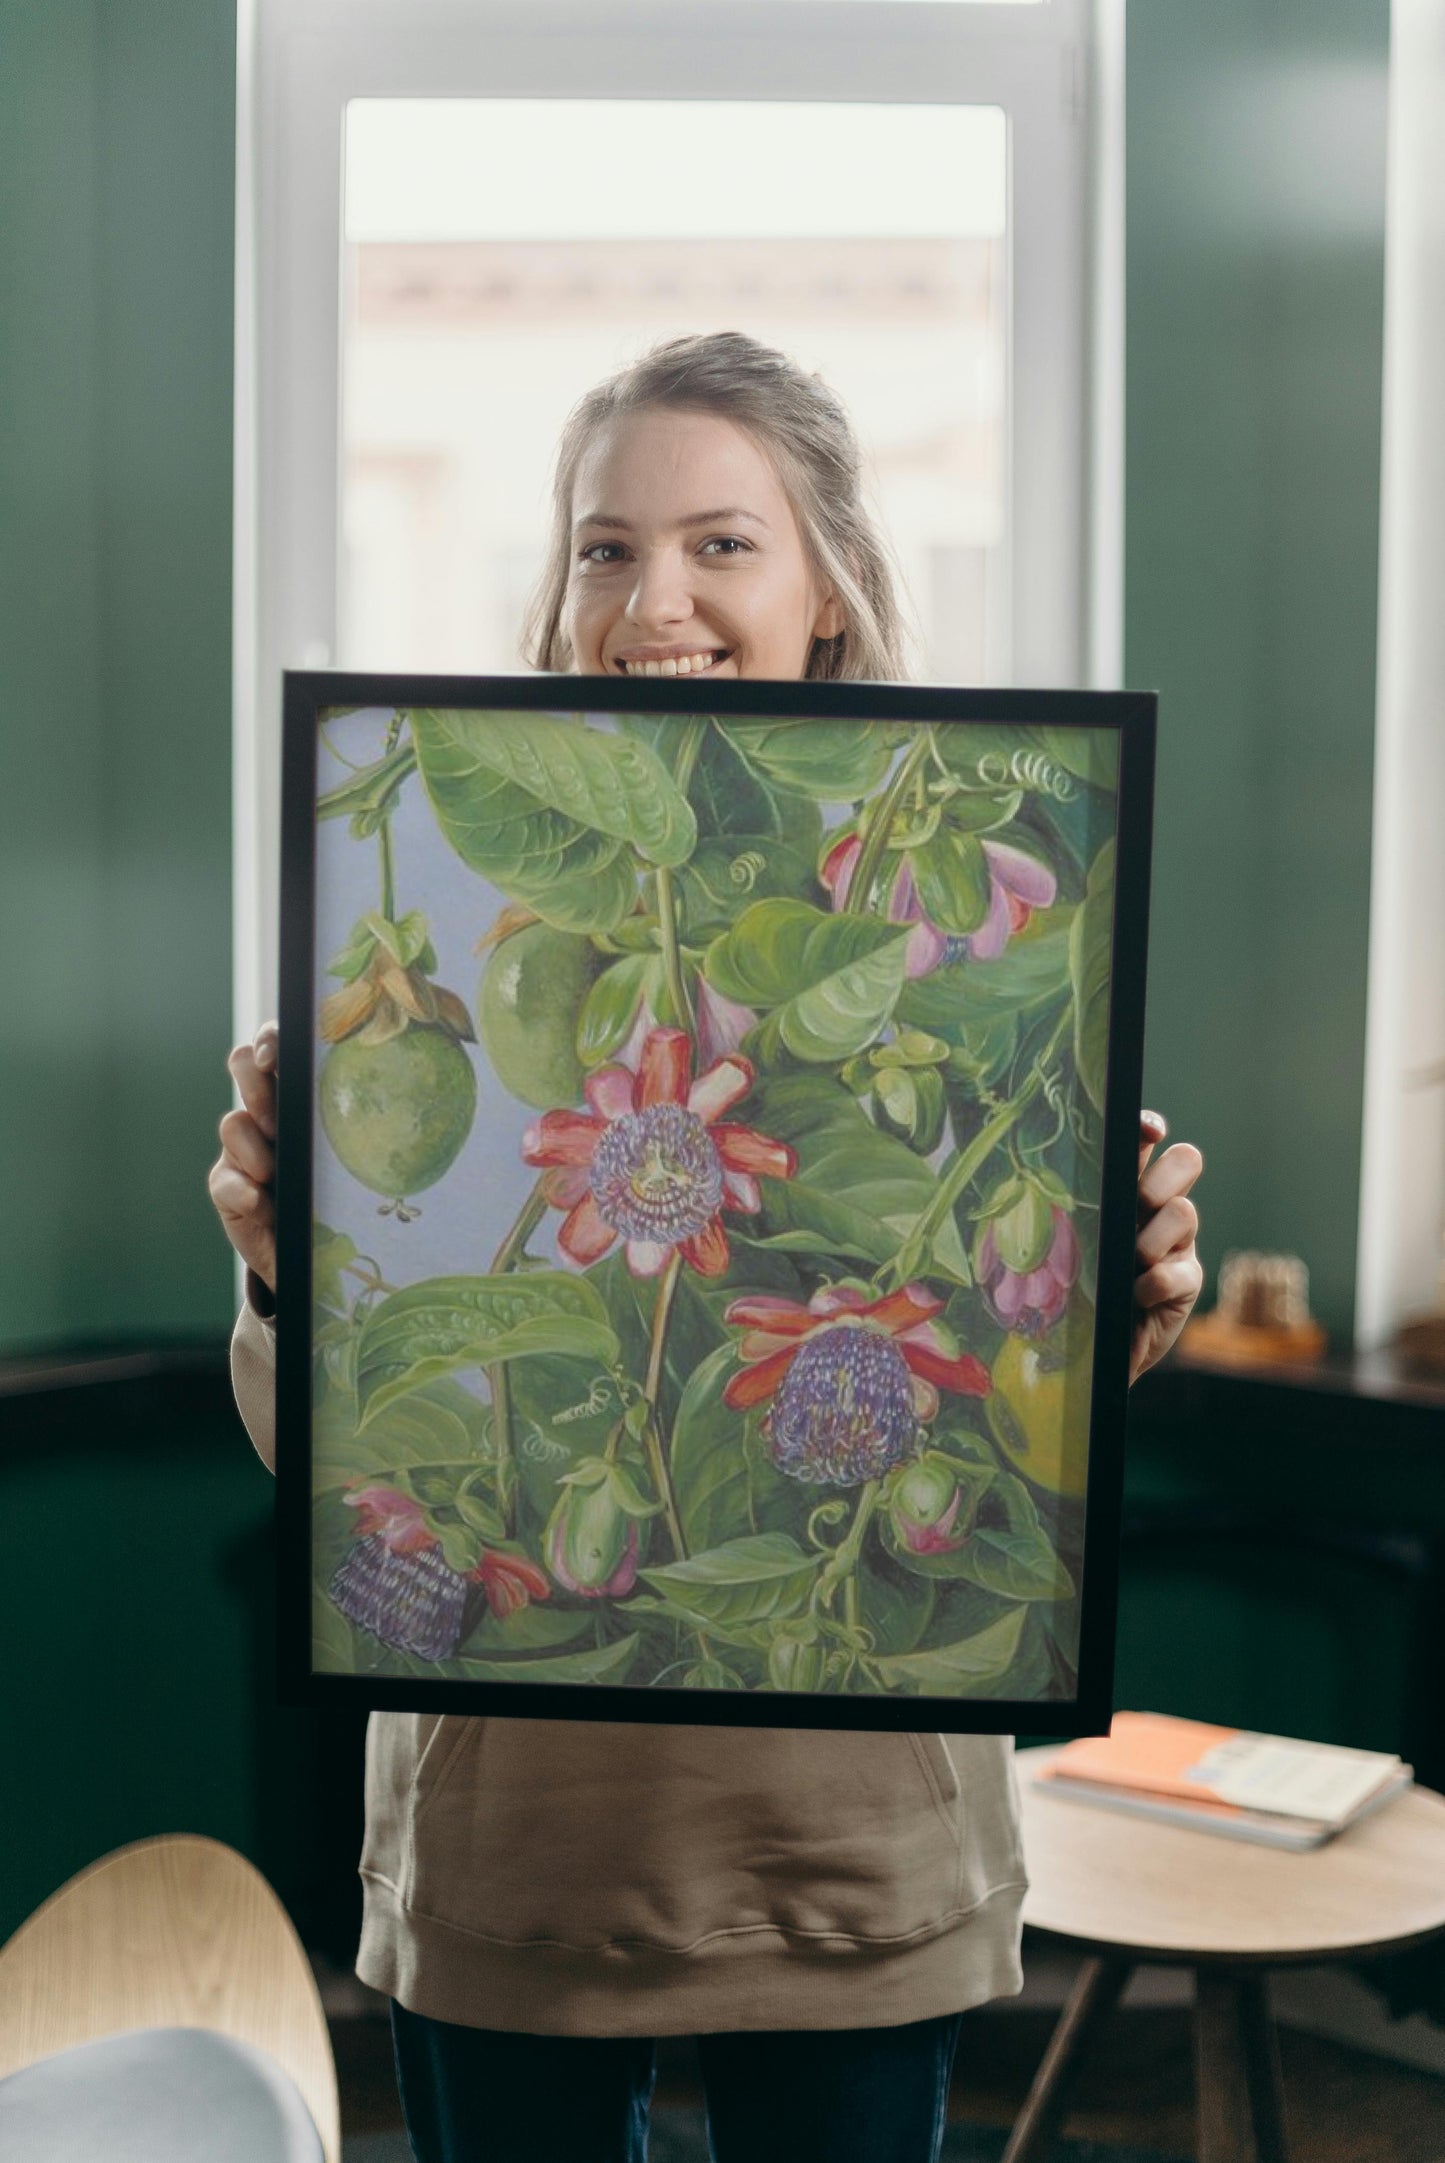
(698, 518)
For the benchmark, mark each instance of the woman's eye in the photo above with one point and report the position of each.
(593, 552)
(727, 544)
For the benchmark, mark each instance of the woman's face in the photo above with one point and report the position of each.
(686, 556)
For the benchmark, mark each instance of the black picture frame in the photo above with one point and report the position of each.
(1131, 716)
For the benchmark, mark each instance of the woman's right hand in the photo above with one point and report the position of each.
(241, 1178)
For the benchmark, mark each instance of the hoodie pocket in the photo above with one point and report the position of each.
(589, 1834)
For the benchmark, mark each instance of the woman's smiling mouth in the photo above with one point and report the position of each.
(673, 664)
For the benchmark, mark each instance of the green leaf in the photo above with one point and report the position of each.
(438, 1424)
(957, 1670)
(527, 1629)
(330, 1253)
(1091, 754)
(952, 875)
(611, 1007)
(549, 810)
(1015, 1558)
(609, 1663)
(963, 996)
(461, 1549)
(832, 981)
(858, 1188)
(831, 761)
(480, 1516)
(443, 1323)
(744, 1581)
(721, 1491)
(727, 875)
(1090, 950)
(896, 1609)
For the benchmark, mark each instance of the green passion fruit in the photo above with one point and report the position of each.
(1039, 1407)
(398, 1112)
(532, 992)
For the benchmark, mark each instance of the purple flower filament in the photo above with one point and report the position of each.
(655, 1175)
(844, 1409)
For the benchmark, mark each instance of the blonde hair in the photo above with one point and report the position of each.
(805, 429)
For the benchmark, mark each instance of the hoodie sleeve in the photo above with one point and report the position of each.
(253, 1368)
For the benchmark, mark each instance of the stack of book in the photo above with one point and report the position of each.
(1228, 1780)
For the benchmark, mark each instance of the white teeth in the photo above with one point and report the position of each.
(687, 664)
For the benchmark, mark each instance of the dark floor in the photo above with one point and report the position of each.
(1343, 2105)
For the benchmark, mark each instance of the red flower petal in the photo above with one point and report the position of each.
(586, 1233)
(720, 1088)
(741, 1190)
(609, 1092)
(966, 1375)
(648, 1257)
(748, 1151)
(751, 1385)
(664, 1069)
(562, 1138)
(565, 1185)
(904, 1310)
(707, 1250)
(838, 1299)
(767, 1310)
(510, 1581)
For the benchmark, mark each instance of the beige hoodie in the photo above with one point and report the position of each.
(562, 1877)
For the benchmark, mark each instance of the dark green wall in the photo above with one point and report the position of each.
(117, 131)
(1255, 266)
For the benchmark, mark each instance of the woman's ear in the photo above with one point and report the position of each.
(830, 619)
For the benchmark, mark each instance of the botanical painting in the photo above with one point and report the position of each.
(707, 1146)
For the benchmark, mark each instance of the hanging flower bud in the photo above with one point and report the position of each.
(924, 1502)
(593, 1537)
(1026, 1257)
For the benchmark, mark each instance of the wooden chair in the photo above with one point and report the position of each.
(175, 1932)
(1126, 1890)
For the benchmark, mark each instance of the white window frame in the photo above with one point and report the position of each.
(1050, 67)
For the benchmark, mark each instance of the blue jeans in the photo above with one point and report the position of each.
(837, 2095)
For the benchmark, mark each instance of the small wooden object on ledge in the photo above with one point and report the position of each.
(1263, 1316)
(1420, 1342)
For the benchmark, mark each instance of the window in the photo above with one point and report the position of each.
(448, 211)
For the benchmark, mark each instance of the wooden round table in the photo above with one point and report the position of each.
(1125, 1890)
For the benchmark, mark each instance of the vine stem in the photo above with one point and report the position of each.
(844, 1560)
(687, 758)
(656, 1452)
(671, 952)
(865, 871)
(956, 1176)
(388, 871)
(499, 1382)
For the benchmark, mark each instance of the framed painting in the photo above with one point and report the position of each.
(708, 1134)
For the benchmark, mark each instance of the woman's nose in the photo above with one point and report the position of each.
(661, 595)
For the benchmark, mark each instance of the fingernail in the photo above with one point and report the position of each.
(1156, 1120)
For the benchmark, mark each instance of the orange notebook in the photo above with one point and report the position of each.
(1196, 1763)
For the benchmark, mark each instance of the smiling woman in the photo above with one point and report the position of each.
(643, 578)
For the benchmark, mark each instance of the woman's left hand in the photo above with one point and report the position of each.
(1168, 1275)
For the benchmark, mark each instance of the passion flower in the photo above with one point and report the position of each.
(650, 1162)
(849, 1380)
(1017, 885)
(408, 1598)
